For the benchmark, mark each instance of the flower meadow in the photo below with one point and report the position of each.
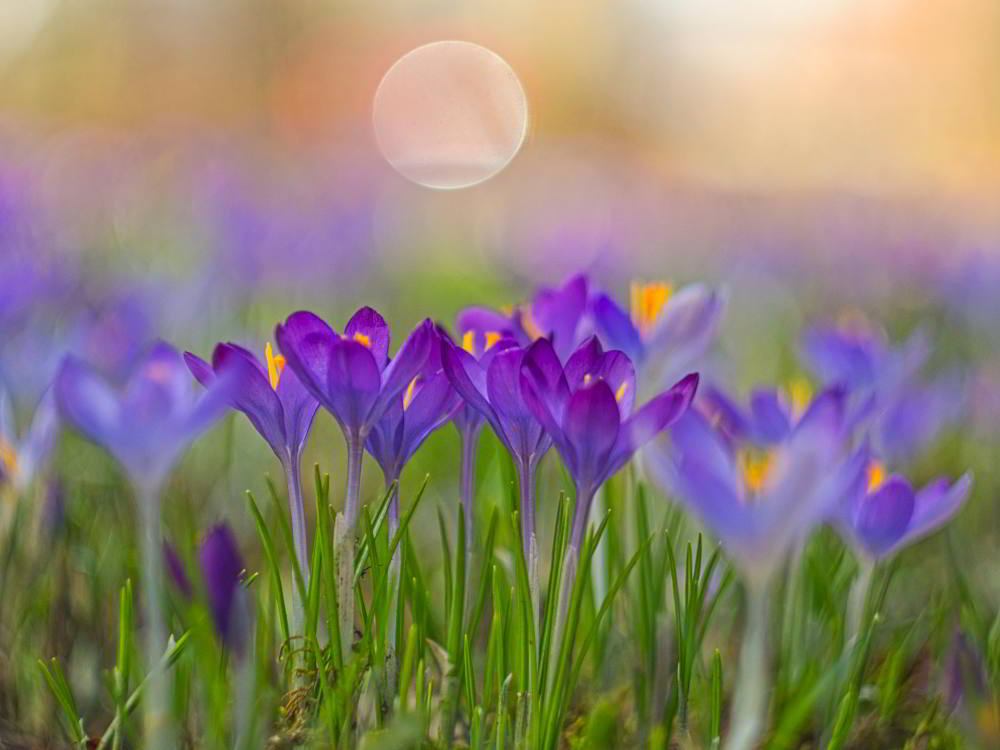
(568, 522)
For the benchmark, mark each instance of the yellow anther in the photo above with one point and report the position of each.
(587, 378)
(530, 325)
(492, 337)
(647, 303)
(469, 341)
(876, 475)
(8, 458)
(756, 469)
(275, 365)
(800, 393)
(364, 339)
(411, 391)
(622, 390)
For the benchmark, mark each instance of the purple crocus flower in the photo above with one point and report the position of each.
(279, 408)
(427, 404)
(760, 500)
(890, 514)
(483, 334)
(22, 458)
(558, 313)
(146, 425)
(352, 376)
(492, 386)
(586, 408)
(222, 571)
(665, 333)
(901, 412)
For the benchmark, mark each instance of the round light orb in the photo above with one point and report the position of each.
(450, 115)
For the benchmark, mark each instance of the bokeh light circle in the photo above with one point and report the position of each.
(450, 115)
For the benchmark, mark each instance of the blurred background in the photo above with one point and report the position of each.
(163, 163)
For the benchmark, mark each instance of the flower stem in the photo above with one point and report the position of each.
(157, 729)
(300, 538)
(856, 600)
(392, 599)
(750, 709)
(467, 480)
(343, 541)
(526, 482)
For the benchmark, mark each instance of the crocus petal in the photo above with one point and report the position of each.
(8, 430)
(160, 382)
(684, 332)
(253, 395)
(222, 568)
(692, 436)
(545, 407)
(299, 407)
(916, 415)
(385, 442)
(409, 362)
(199, 368)
(716, 500)
(883, 517)
(550, 382)
(210, 406)
(591, 423)
(936, 503)
(559, 313)
(353, 382)
(466, 376)
(729, 415)
(39, 441)
(367, 326)
(617, 370)
(582, 363)
(654, 417)
(771, 419)
(431, 407)
(837, 357)
(504, 391)
(616, 328)
(484, 320)
(87, 402)
(306, 340)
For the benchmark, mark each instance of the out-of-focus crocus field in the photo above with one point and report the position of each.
(673, 422)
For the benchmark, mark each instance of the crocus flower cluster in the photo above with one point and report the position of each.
(572, 369)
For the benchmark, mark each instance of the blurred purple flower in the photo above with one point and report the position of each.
(21, 459)
(888, 514)
(146, 425)
(665, 333)
(586, 408)
(222, 571)
(888, 400)
(760, 502)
